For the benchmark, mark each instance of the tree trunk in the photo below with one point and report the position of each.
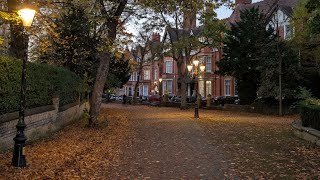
(17, 40)
(183, 84)
(96, 97)
(183, 91)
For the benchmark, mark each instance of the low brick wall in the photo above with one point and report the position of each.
(39, 121)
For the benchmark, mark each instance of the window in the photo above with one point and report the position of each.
(235, 88)
(208, 88)
(169, 66)
(208, 62)
(130, 91)
(201, 88)
(146, 74)
(167, 86)
(155, 74)
(140, 90)
(145, 90)
(288, 32)
(227, 87)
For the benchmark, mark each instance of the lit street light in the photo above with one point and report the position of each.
(19, 159)
(195, 69)
(160, 90)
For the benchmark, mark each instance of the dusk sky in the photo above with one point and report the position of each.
(222, 12)
(225, 12)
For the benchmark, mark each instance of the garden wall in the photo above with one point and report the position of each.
(40, 121)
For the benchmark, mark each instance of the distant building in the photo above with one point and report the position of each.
(279, 12)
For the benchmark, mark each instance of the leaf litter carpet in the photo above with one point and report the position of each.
(142, 142)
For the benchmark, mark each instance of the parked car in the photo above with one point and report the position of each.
(237, 101)
(154, 97)
(191, 99)
(119, 98)
(175, 98)
(143, 98)
(113, 97)
(222, 100)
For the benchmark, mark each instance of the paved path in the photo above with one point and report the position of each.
(142, 142)
(169, 145)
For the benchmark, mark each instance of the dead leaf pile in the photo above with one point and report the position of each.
(73, 153)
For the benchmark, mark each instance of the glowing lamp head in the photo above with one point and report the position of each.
(202, 67)
(196, 62)
(189, 67)
(160, 80)
(26, 15)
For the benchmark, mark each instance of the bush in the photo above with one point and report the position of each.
(43, 82)
(310, 113)
(224, 100)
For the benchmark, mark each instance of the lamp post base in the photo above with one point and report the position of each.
(196, 111)
(19, 158)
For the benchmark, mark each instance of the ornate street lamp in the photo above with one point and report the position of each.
(19, 159)
(197, 69)
(160, 88)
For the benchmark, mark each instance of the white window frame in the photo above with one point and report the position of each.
(130, 93)
(146, 74)
(155, 74)
(201, 88)
(145, 90)
(208, 61)
(208, 88)
(165, 86)
(169, 69)
(227, 87)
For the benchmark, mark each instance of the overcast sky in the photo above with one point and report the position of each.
(224, 12)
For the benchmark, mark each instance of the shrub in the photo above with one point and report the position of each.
(43, 82)
(310, 113)
(224, 100)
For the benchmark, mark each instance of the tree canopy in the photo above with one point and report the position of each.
(244, 46)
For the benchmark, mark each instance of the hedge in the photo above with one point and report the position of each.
(310, 114)
(43, 82)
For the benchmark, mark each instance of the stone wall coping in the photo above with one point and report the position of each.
(298, 126)
(15, 115)
(67, 106)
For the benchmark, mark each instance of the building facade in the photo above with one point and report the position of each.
(279, 13)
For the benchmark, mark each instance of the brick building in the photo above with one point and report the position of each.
(279, 13)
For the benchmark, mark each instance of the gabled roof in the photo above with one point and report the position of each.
(175, 33)
(267, 7)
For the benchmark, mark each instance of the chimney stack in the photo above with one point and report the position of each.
(155, 37)
(189, 20)
(243, 2)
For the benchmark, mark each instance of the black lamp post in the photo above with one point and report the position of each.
(160, 89)
(19, 159)
(196, 72)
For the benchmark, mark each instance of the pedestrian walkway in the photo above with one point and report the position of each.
(144, 142)
(168, 144)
